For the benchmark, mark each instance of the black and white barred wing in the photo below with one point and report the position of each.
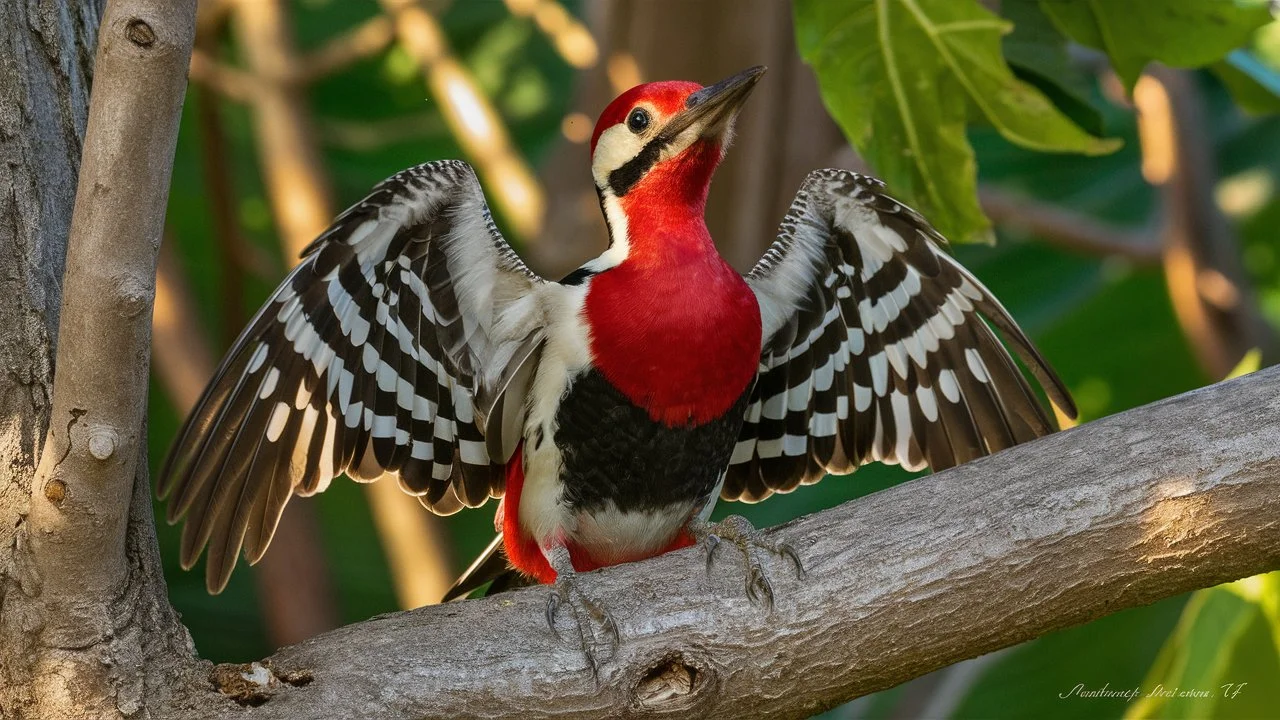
(875, 348)
(401, 344)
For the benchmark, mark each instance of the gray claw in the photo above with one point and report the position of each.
(787, 551)
(713, 544)
(553, 604)
(567, 593)
(758, 588)
(744, 536)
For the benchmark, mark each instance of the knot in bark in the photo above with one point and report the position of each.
(674, 683)
(55, 491)
(135, 295)
(102, 442)
(140, 33)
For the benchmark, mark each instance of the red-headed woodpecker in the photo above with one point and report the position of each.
(610, 409)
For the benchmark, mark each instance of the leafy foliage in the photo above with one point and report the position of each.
(904, 78)
(1222, 659)
(1253, 72)
(1039, 54)
(1111, 331)
(1180, 33)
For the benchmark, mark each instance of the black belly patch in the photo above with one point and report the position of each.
(613, 452)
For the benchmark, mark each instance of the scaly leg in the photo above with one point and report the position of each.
(568, 592)
(740, 532)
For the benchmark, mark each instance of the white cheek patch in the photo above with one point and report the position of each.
(615, 148)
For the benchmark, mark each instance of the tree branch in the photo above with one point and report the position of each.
(1124, 511)
(363, 41)
(1068, 229)
(85, 480)
(1208, 286)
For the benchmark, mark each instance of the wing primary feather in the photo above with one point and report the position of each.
(488, 567)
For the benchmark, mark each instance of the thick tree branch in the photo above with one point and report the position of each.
(1124, 511)
(91, 452)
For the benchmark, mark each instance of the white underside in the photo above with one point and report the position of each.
(565, 355)
(613, 537)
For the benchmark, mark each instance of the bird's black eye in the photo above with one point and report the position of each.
(638, 120)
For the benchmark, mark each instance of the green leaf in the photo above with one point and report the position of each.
(900, 77)
(1222, 659)
(1254, 83)
(1250, 363)
(1180, 33)
(1037, 52)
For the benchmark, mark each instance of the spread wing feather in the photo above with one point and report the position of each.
(876, 348)
(402, 344)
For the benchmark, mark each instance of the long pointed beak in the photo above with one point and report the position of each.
(711, 110)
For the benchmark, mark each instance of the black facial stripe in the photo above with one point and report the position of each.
(624, 178)
(577, 277)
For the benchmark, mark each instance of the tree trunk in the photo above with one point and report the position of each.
(45, 66)
(86, 629)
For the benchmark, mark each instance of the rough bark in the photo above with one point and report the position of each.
(46, 58)
(1121, 512)
(86, 626)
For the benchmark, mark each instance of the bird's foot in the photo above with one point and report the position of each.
(595, 628)
(738, 531)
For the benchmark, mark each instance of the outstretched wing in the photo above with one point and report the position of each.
(875, 348)
(402, 344)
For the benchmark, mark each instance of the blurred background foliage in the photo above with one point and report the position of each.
(1144, 266)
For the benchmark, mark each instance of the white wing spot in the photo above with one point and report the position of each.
(928, 404)
(947, 383)
(269, 384)
(275, 425)
(976, 365)
(259, 356)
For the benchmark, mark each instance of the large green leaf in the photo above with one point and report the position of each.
(1222, 659)
(1181, 33)
(902, 78)
(1038, 53)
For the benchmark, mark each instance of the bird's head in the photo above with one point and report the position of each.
(664, 139)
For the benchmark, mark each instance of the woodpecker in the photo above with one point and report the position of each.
(608, 410)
